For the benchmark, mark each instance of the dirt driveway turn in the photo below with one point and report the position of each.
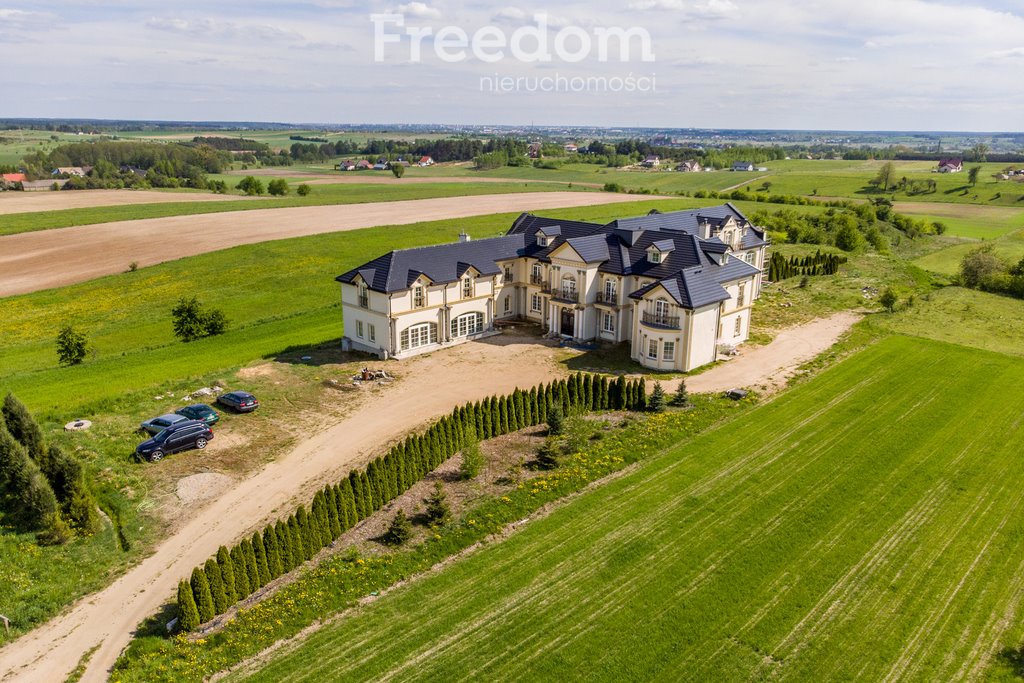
(52, 258)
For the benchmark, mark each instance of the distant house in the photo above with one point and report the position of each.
(743, 166)
(690, 166)
(141, 172)
(398, 162)
(425, 161)
(80, 171)
(13, 177)
(533, 151)
(381, 165)
(651, 161)
(346, 165)
(363, 165)
(950, 166)
(571, 148)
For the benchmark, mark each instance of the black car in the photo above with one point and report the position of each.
(182, 436)
(239, 401)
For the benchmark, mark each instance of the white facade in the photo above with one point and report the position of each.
(568, 297)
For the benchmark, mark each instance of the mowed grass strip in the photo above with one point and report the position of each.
(320, 195)
(867, 525)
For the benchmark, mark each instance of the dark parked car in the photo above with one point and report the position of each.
(200, 411)
(182, 436)
(240, 401)
(157, 424)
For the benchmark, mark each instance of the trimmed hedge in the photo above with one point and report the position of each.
(286, 544)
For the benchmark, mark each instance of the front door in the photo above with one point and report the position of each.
(568, 322)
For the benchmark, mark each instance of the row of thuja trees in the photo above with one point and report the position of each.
(781, 268)
(42, 488)
(234, 574)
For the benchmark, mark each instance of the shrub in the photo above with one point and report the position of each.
(400, 530)
(438, 512)
(191, 322)
(278, 187)
(71, 346)
(556, 420)
(303, 190)
(133, 266)
(250, 185)
(188, 612)
(888, 299)
(657, 402)
(398, 170)
(472, 458)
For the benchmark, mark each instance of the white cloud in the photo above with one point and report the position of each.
(220, 29)
(419, 9)
(1001, 55)
(709, 9)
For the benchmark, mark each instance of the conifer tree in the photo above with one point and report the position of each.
(188, 613)
(588, 393)
(24, 429)
(371, 488)
(333, 521)
(347, 507)
(220, 597)
(227, 575)
(243, 586)
(356, 484)
(657, 402)
(502, 415)
(620, 393)
(437, 512)
(252, 570)
(203, 595)
(472, 459)
(541, 414)
(641, 395)
(481, 423)
(307, 536)
(572, 388)
(29, 501)
(284, 546)
(368, 508)
(400, 529)
(272, 551)
(318, 522)
(292, 544)
(556, 421)
(681, 397)
(259, 552)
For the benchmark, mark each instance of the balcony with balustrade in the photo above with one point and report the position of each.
(659, 321)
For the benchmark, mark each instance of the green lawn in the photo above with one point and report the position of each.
(947, 261)
(320, 195)
(866, 525)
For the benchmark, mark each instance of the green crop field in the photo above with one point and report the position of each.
(867, 525)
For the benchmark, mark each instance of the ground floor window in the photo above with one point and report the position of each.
(373, 332)
(467, 324)
(508, 304)
(652, 349)
(668, 351)
(419, 335)
(608, 322)
(535, 303)
(359, 329)
(739, 326)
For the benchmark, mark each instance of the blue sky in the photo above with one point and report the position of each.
(840, 64)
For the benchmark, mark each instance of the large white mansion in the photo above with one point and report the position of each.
(678, 286)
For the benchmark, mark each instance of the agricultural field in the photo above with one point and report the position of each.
(16, 144)
(808, 553)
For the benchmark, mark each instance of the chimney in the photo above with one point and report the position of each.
(463, 237)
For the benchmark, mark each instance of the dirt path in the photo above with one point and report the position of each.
(27, 260)
(771, 365)
(23, 202)
(748, 181)
(107, 618)
(449, 378)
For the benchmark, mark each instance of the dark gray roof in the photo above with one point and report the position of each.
(397, 270)
(691, 288)
(619, 247)
(592, 248)
(752, 238)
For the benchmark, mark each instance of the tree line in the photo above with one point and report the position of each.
(42, 488)
(781, 268)
(233, 574)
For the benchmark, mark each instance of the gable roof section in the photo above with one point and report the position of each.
(592, 248)
(692, 288)
(397, 270)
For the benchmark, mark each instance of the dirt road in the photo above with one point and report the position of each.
(52, 258)
(449, 378)
(22, 202)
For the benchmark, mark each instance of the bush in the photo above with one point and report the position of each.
(303, 190)
(438, 512)
(657, 402)
(472, 458)
(278, 187)
(250, 185)
(556, 420)
(191, 322)
(71, 346)
(888, 299)
(398, 170)
(400, 530)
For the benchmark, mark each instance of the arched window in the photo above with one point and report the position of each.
(467, 324)
(419, 335)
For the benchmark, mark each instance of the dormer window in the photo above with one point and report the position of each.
(654, 256)
(419, 296)
(657, 252)
(467, 287)
(543, 240)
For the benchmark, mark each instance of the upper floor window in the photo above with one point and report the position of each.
(507, 276)
(537, 274)
(661, 309)
(419, 296)
(568, 284)
(364, 295)
(749, 257)
(655, 256)
(467, 287)
(610, 287)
